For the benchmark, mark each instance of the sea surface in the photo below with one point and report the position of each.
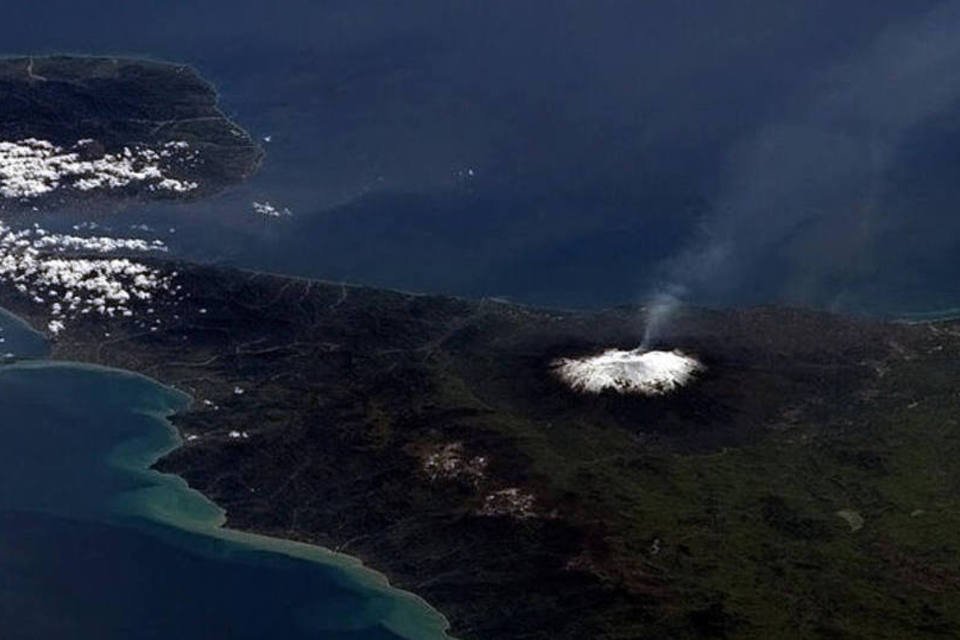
(568, 153)
(95, 545)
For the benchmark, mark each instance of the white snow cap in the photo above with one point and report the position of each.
(628, 371)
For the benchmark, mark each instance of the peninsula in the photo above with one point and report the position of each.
(84, 131)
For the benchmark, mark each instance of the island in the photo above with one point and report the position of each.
(798, 480)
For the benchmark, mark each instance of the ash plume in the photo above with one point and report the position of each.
(659, 311)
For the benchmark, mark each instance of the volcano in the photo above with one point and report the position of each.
(636, 371)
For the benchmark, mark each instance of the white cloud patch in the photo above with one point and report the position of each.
(96, 244)
(31, 168)
(269, 210)
(40, 266)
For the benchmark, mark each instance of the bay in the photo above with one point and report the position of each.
(93, 544)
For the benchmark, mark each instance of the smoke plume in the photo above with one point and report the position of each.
(801, 198)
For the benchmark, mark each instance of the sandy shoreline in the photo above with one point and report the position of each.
(168, 500)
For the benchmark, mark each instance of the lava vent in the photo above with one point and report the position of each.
(636, 371)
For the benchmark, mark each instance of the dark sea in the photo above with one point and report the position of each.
(570, 153)
(556, 152)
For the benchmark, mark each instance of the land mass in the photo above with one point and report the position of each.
(428, 436)
(802, 484)
(84, 131)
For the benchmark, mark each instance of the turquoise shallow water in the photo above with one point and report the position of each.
(94, 545)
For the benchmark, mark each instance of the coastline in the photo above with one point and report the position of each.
(316, 405)
(170, 501)
(287, 417)
(929, 317)
(376, 502)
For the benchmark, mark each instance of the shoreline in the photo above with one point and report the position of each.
(215, 525)
(311, 374)
(163, 502)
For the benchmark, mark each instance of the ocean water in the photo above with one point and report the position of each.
(567, 153)
(18, 339)
(95, 545)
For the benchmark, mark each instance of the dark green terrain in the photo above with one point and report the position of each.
(807, 485)
(117, 103)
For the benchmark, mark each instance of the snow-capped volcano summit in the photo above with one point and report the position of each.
(628, 371)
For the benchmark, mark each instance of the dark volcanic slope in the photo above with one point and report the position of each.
(112, 104)
(805, 486)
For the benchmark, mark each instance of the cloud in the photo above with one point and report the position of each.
(33, 262)
(30, 168)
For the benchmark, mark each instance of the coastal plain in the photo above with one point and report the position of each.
(428, 436)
